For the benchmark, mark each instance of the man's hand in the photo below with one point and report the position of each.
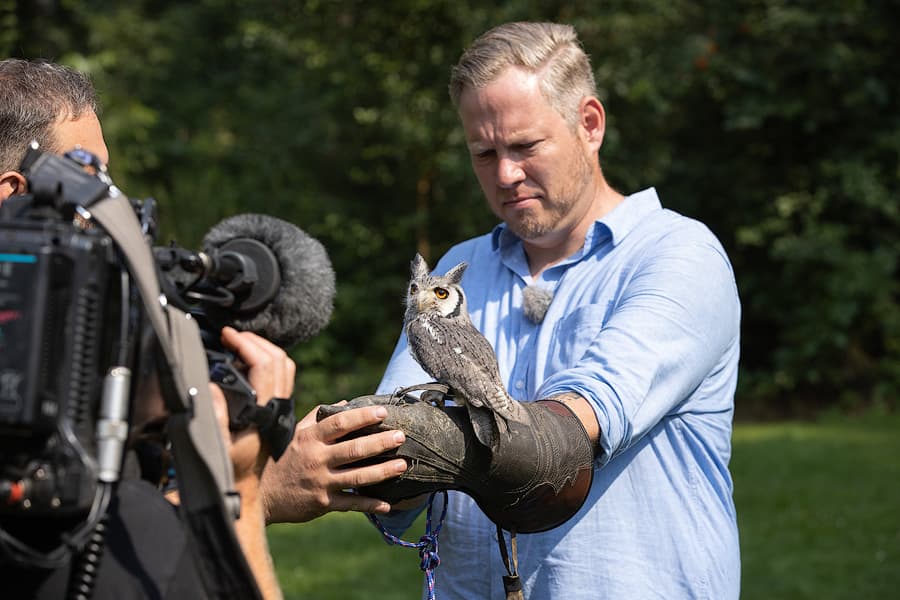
(313, 476)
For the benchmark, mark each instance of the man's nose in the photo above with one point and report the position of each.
(509, 172)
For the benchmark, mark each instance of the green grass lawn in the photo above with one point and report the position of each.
(819, 508)
(341, 556)
(818, 505)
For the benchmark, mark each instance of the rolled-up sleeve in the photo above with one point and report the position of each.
(674, 321)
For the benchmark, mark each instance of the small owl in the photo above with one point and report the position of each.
(444, 342)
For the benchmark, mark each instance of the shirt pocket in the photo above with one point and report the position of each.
(575, 333)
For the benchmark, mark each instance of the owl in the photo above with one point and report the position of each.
(443, 340)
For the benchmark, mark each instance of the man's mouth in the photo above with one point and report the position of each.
(519, 200)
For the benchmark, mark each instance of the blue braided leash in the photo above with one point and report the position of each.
(427, 544)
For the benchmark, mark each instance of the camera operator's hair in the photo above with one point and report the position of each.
(34, 96)
(550, 50)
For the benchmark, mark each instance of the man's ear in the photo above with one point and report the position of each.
(11, 183)
(592, 119)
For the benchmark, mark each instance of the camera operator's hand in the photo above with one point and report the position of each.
(270, 372)
(313, 477)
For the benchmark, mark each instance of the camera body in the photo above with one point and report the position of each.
(73, 328)
(59, 284)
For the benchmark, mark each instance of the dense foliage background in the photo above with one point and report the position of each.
(775, 122)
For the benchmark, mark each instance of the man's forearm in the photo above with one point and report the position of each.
(585, 413)
(251, 533)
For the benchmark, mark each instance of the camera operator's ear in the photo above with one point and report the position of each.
(11, 183)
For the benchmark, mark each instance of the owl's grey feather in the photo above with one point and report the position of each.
(447, 345)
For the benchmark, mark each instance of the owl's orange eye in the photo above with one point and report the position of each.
(413, 289)
(441, 293)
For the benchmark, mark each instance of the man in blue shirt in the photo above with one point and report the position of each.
(640, 339)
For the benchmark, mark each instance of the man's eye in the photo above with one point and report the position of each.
(485, 154)
(441, 293)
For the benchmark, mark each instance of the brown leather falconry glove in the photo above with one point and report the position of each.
(536, 479)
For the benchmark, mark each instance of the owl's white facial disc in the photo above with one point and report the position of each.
(438, 300)
(451, 306)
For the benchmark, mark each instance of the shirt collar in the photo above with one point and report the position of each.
(625, 217)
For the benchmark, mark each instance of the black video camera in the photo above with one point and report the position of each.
(73, 331)
(66, 317)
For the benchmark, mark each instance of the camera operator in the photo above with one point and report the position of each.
(57, 107)
(147, 553)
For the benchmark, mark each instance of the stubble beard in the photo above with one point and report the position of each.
(534, 224)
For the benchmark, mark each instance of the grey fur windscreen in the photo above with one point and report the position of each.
(302, 306)
(535, 302)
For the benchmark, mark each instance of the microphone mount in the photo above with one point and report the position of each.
(241, 276)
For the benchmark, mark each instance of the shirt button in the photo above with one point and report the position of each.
(520, 384)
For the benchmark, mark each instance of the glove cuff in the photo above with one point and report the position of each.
(540, 477)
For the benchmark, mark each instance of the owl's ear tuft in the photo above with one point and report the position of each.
(418, 267)
(455, 274)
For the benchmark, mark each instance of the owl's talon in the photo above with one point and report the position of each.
(433, 397)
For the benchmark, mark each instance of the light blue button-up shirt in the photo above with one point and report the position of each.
(644, 324)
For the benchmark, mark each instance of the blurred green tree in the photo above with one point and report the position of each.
(774, 122)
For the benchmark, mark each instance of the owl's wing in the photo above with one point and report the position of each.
(458, 355)
(478, 375)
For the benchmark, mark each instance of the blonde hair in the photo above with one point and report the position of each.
(550, 50)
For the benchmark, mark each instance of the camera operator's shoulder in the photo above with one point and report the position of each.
(145, 554)
(147, 547)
